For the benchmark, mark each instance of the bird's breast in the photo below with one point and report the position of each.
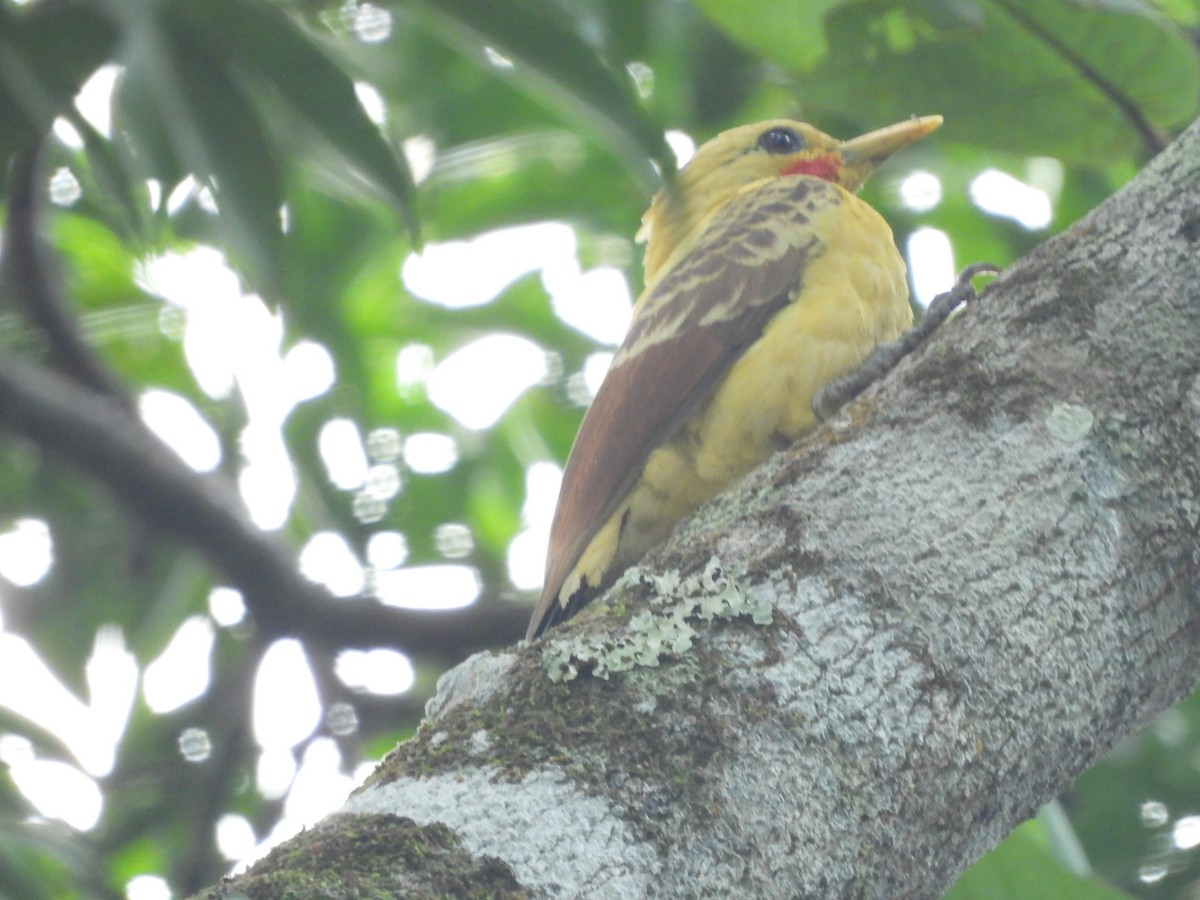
(849, 296)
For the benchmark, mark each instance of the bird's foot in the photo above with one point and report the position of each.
(838, 393)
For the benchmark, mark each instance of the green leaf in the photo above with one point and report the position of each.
(1108, 804)
(1183, 12)
(263, 40)
(1138, 61)
(791, 31)
(549, 56)
(136, 116)
(1094, 81)
(108, 183)
(219, 135)
(46, 53)
(36, 858)
(1023, 866)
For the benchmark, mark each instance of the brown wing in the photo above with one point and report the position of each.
(686, 333)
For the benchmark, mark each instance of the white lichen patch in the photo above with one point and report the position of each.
(479, 743)
(663, 629)
(472, 681)
(1069, 423)
(572, 844)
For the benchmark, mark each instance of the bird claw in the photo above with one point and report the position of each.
(961, 293)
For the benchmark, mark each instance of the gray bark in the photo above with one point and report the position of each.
(978, 577)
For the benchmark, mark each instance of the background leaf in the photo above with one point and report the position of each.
(1022, 866)
(547, 52)
(264, 41)
(48, 51)
(1094, 81)
(793, 33)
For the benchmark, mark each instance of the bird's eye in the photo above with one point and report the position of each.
(781, 140)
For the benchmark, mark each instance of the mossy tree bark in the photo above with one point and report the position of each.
(978, 577)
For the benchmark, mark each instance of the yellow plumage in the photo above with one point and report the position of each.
(766, 278)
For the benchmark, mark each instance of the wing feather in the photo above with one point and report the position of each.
(686, 333)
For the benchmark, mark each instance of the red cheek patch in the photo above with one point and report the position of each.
(826, 167)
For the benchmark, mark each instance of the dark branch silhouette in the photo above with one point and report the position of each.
(84, 417)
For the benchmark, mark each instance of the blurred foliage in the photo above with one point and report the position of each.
(535, 110)
(1025, 866)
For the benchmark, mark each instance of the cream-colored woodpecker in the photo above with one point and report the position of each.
(766, 278)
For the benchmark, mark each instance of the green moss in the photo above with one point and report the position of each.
(371, 856)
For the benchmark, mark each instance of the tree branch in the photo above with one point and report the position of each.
(105, 439)
(88, 419)
(979, 576)
(35, 285)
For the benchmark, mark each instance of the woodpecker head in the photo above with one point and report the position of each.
(738, 158)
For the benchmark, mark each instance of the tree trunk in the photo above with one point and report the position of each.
(902, 636)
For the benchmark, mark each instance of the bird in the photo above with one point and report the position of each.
(766, 278)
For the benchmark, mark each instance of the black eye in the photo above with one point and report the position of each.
(781, 140)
